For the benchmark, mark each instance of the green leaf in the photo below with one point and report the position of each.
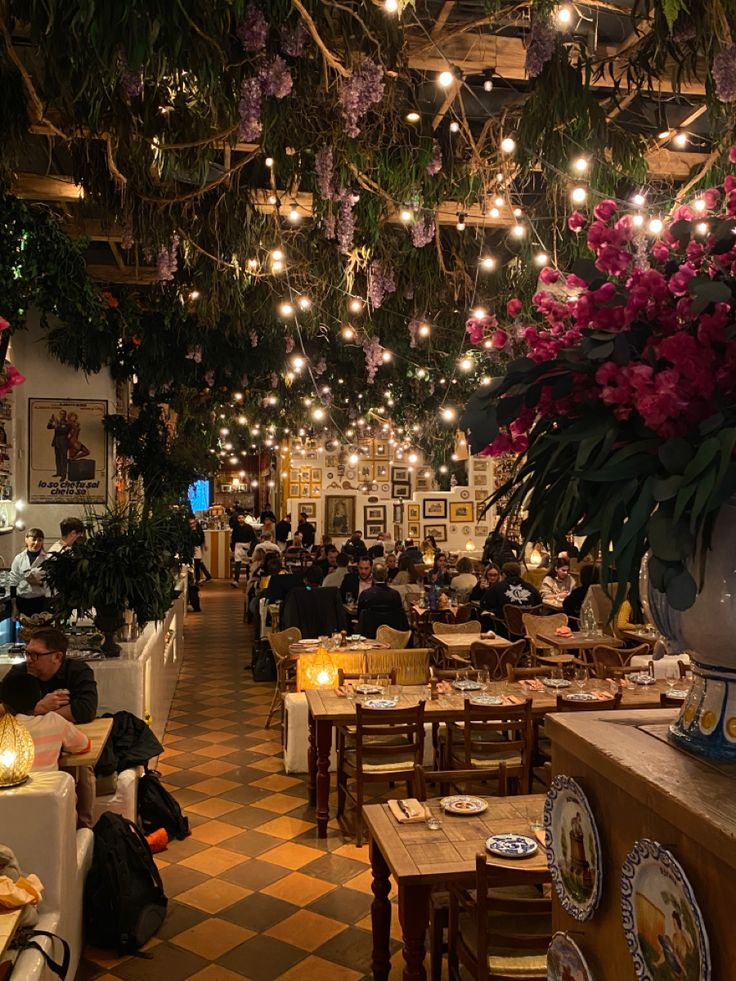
(665, 488)
(707, 452)
(682, 591)
(675, 454)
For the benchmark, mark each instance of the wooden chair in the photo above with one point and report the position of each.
(521, 674)
(279, 643)
(513, 617)
(465, 613)
(534, 624)
(491, 738)
(613, 662)
(451, 674)
(469, 627)
(498, 933)
(685, 668)
(423, 623)
(599, 705)
(446, 782)
(397, 639)
(496, 660)
(389, 745)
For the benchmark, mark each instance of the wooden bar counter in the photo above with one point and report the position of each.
(641, 786)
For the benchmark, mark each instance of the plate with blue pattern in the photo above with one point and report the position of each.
(380, 703)
(486, 700)
(467, 685)
(573, 848)
(511, 846)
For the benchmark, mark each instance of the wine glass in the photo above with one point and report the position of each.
(483, 678)
(581, 677)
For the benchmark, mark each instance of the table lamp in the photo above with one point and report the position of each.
(321, 671)
(16, 752)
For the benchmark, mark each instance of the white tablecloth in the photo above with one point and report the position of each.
(665, 667)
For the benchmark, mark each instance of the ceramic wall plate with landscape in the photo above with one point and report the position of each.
(662, 923)
(565, 961)
(573, 848)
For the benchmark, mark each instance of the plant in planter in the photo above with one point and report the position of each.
(623, 413)
(127, 561)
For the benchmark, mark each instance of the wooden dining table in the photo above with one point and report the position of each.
(420, 860)
(460, 644)
(98, 732)
(327, 708)
(578, 640)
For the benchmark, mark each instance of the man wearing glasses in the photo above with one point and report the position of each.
(68, 687)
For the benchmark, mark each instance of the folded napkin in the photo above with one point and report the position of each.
(541, 837)
(533, 684)
(418, 815)
(512, 700)
(563, 632)
(489, 635)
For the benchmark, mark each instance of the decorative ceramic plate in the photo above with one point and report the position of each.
(643, 678)
(380, 703)
(511, 846)
(464, 495)
(467, 685)
(464, 804)
(662, 922)
(565, 962)
(556, 682)
(580, 696)
(678, 693)
(573, 848)
(487, 700)
(369, 689)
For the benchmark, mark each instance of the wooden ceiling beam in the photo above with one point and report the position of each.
(130, 276)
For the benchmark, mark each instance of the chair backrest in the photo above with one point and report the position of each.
(411, 664)
(534, 624)
(398, 639)
(465, 612)
(612, 662)
(343, 676)
(600, 599)
(667, 701)
(469, 627)
(519, 674)
(432, 783)
(280, 641)
(404, 727)
(452, 674)
(495, 659)
(502, 734)
(685, 668)
(598, 705)
(513, 616)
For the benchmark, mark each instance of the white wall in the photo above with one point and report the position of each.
(46, 378)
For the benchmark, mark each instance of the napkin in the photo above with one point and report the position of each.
(563, 632)
(489, 635)
(512, 700)
(533, 684)
(541, 837)
(418, 815)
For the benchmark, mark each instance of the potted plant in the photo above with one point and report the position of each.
(126, 561)
(623, 416)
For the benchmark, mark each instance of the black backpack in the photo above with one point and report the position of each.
(124, 899)
(158, 809)
(264, 664)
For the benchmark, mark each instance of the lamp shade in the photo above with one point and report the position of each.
(320, 671)
(16, 751)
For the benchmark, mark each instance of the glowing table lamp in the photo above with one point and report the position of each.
(16, 752)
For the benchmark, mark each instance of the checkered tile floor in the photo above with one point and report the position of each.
(252, 893)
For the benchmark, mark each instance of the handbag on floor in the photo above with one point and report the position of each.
(124, 899)
(157, 808)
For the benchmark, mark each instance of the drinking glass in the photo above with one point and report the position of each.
(581, 677)
(483, 678)
(671, 681)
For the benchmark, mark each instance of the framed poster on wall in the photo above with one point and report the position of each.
(67, 451)
(339, 515)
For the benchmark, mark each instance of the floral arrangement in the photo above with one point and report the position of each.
(9, 376)
(623, 407)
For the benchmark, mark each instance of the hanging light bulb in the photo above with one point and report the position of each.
(353, 459)
(466, 364)
(356, 306)
(405, 215)
(580, 165)
(699, 204)
(488, 263)
(348, 333)
(298, 362)
(680, 139)
(460, 221)
(579, 195)
(386, 357)
(488, 80)
(294, 215)
(499, 202)
(508, 145)
(655, 226)
(702, 228)
(269, 162)
(448, 414)
(446, 78)
(494, 213)
(318, 414)
(518, 230)
(479, 313)
(277, 255)
(412, 117)
(454, 126)
(304, 303)
(564, 15)
(286, 309)
(639, 200)
(541, 258)
(638, 220)
(390, 6)
(424, 330)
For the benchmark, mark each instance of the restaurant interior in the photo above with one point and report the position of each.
(367, 451)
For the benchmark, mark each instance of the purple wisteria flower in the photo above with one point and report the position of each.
(346, 220)
(324, 168)
(289, 342)
(293, 39)
(373, 358)
(359, 92)
(435, 161)
(249, 110)
(253, 336)
(276, 78)
(422, 231)
(541, 47)
(413, 327)
(253, 29)
(724, 74)
(381, 283)
(166, 261)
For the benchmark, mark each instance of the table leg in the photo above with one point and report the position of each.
(380, 915)
(324, 745)
(414, 918)
(312, 762)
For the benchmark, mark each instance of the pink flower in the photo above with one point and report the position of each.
(711, 197)
(605, 210)
(549, 275)
(577, 221)
(660, 252)
(3, 323)
(514, 308)
(499, 338)
(732, 155)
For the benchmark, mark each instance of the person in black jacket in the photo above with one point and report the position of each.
(197, 536)
(511, 590)
(355, 546)
(241, 545)
(355, 583)
(283, 530)
(306, 530)
(573, 602)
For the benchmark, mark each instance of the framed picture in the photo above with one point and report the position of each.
(435, 507)
(397, 532)
(309, 508)
(316, 475)
(331, 460)
(339, 515)
(424, 483)
(380, 471)
(400, 475)
(375, 514)
(306, 490)
(67, 459)
(316, 490)
(461, 511)
(412, 512)
(481, 495)
(480, 511)
(479, 463)
(438, 532)
(480, 530)
(412, 530)
(380, 449)
(480, 479)
(365, 448)
(398, 513)
(365, 470)
(293, 490)
(402, 491)
(373, 531)
(6, 411)
(305, 474)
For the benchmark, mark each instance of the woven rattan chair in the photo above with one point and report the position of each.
(285, 669)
